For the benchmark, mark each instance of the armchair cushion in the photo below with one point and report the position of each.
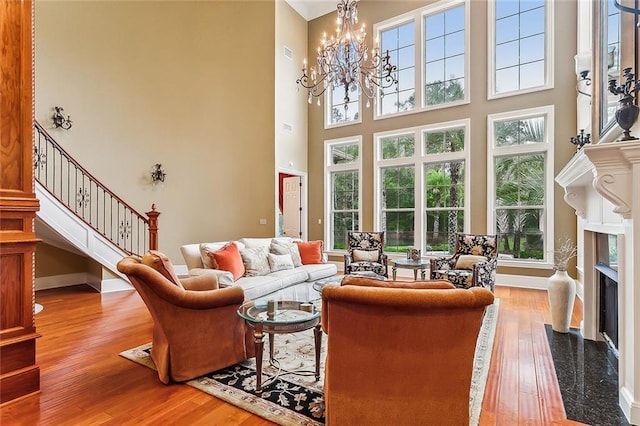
(161, 263)
(310, 252)
(466, 261)
(200, 282)
(228, 259)
(366, 255)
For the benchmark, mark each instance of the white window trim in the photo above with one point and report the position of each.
(418, 161)
(546, 148)
(328, 106)
(417, 16)
(549, 39)
(328, 169)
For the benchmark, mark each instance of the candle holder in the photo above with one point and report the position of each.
(581, 139)
(627, 112)
(59, 120)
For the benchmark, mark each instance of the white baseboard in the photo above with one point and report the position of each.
(521, 281)
(68, 280)
(115, 284)
(56, 281)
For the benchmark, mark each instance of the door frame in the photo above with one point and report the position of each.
(304, 221)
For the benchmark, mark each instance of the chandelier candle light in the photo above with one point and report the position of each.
(341, 61)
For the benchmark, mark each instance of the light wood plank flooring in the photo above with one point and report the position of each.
(85, 382)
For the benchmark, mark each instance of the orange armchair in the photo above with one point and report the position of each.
(196, 329)
(400, 356)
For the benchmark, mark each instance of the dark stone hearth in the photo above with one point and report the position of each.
(588, 377)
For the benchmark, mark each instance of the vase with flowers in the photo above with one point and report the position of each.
(561, 288)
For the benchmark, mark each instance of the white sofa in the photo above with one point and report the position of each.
(289, 284)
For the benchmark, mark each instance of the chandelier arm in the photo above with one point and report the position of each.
(346, 61)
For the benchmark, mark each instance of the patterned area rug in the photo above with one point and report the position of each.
(297, 399)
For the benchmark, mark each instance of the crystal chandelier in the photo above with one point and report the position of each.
(341, 61)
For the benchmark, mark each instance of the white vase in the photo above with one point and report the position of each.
(561, 289)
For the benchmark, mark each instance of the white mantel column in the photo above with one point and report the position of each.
(617, 178)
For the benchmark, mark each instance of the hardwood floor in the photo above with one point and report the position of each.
(84, 381)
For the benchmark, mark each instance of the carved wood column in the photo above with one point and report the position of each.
(19, 374)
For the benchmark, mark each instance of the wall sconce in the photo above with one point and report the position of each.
(158, 174)
(581, 139)
(59, 120)
(583, 69)
(627, 112)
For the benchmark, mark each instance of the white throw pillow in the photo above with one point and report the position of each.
(286, 247)
(366, 255)
(466, 261)
(279, 262)
(255, 261)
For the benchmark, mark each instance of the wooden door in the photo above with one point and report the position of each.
(292, 207)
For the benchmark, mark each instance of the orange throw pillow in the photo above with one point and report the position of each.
(228, 259)
(310, 252)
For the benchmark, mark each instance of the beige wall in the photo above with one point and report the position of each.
(189, 84)
(563, 97)
(290, 103)
(52, 261)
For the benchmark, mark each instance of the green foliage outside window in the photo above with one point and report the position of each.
(520, 190)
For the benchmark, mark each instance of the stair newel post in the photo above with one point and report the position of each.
(153, 227)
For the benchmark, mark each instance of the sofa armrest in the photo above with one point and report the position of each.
(225, 278)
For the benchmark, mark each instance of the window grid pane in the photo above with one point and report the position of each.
(444, 201)
(398, 147)
(398, 207)
(444, 56)
(344, 206)
(342, 112)
(443, 141)
(519, 42)
(519, 132)
(344, 154)
(400, 43)
(520, 199)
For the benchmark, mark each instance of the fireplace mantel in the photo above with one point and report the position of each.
(601, 183)
(609, 168)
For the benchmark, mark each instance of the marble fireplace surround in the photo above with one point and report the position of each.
(602, 183)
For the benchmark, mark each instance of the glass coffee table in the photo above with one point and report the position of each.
(417, 265)
(279, 317)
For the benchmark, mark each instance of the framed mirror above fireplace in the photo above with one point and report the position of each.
(614, 53)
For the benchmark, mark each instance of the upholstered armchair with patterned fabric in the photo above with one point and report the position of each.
(365, 252)
(473, 263)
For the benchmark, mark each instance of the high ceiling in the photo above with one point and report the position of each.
(311, 9)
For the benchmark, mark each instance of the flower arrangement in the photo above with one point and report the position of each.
(563, 254)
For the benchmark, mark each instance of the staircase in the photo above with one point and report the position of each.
(81, 215)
